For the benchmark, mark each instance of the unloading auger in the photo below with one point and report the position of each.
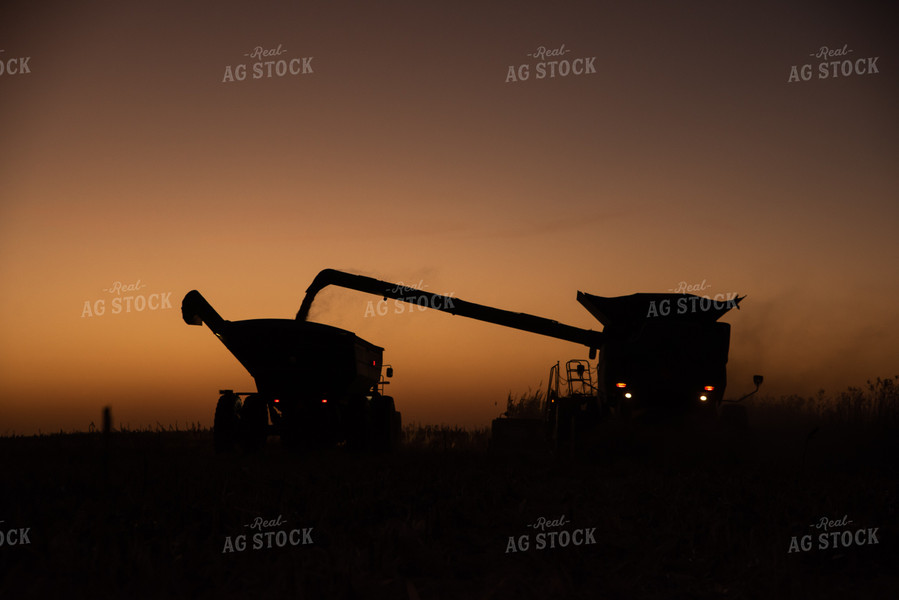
(319, 385)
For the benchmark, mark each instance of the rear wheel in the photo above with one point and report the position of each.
(384, 423)
(225, 424)
(253, 423)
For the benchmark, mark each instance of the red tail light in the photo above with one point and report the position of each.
(324, 400)
(709, 388)
(621, 385)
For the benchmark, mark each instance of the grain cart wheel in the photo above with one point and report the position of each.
(356, 423)
(225, 425)
(253, 423)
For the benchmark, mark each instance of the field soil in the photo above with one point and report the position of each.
(647, 511)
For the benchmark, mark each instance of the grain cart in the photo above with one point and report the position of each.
(317, 385)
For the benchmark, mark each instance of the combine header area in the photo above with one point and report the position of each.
(663, 353)
(663, 356)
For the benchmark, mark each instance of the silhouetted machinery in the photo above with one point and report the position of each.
(663, 356)
(658, 354)
(317, 385)
(663, 353)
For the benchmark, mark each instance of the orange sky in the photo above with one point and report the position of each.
(407, 155)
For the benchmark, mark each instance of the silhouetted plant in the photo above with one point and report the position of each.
(528, 406)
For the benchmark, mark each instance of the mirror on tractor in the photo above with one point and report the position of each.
(757, 380)
(390, 371)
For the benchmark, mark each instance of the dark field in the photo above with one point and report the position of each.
(662, 512)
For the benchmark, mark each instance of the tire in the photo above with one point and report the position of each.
(225, 424)
(383, 434)
(253, 423)
(355, 425)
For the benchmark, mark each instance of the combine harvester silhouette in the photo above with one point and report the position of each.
(319, 385)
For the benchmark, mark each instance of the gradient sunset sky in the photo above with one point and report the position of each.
(409, 154)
